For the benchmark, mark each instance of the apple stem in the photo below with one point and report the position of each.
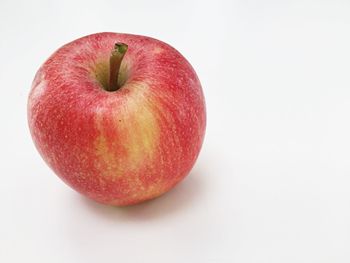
(115, 61)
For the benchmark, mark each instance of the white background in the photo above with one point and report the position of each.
(272, 183)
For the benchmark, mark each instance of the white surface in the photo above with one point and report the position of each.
(272, 183)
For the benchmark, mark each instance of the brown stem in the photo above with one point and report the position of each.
(115, 61)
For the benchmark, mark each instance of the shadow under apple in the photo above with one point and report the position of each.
(182, 196)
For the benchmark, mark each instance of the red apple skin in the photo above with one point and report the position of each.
(122, 147)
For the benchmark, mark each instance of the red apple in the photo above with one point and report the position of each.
(118, 117)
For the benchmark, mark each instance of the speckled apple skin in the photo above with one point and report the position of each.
(121, 147)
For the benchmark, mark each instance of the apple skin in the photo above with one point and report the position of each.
(121, 147)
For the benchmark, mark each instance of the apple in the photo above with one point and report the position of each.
(118, 117)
